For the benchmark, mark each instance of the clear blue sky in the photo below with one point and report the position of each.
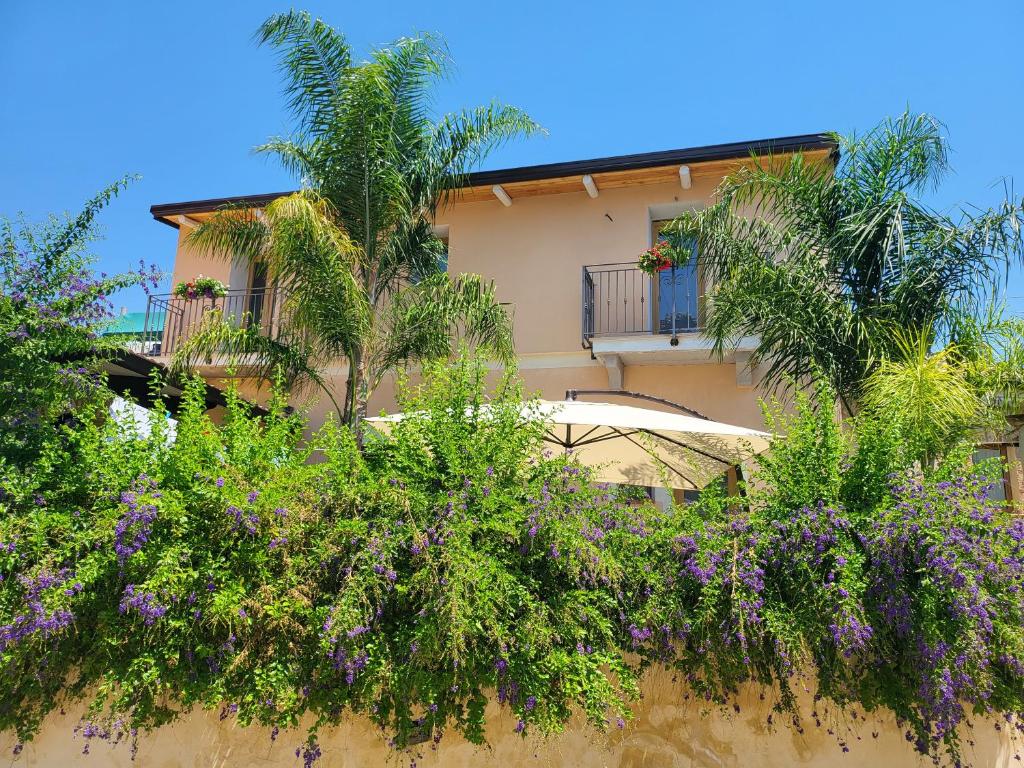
(179, 93)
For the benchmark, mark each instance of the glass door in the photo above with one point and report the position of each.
(677, 291)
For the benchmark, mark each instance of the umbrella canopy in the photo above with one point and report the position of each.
(640, 446)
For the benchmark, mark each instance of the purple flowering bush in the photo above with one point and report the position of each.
(52, 308)
(288, 580)
(905, 595)
(247, 569)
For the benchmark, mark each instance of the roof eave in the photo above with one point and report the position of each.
(711, 153)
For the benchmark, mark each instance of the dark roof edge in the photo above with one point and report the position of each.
(711, 153)
(212, 204)
(786, 144)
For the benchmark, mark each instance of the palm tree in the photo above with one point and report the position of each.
(822, 261)
(354, 251)
(940, 396)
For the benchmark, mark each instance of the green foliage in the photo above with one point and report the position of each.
(941, 399)
(929, 394)
(52, 308)
(227, 569)
(450, 563)
(807, 466)
(822, 262)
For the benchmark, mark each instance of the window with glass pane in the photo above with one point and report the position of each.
(257, 291)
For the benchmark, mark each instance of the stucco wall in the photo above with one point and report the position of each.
(667, 731)
(535, 249)
(190, 263)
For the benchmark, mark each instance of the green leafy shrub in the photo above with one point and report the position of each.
(452, 563)
(52, 309)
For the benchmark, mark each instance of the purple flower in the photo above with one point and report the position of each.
(135, 525)
(144, 603)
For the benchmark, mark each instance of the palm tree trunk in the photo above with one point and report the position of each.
(350, 391)
(361, 387)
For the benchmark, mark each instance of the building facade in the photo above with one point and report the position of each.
(560, 242)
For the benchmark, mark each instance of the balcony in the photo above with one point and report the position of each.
(171, 320)
(630, 317)
(619, 300)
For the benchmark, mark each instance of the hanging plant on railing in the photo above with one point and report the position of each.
(201, 287)
(658, 258)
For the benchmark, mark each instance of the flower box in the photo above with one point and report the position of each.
(201, 288)
(657, 258)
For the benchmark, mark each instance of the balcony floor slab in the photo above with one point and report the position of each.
(656, 349)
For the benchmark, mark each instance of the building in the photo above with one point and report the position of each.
(137, 331)
(560, 241)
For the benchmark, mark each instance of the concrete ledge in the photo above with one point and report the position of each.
(670, 728)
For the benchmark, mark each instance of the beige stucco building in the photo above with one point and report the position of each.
(560, 242)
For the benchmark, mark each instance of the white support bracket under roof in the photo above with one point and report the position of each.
(501, 194)
(590, 185)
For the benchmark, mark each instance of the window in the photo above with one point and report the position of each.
(257, 291)
(441, 233)
(441, 264)
(1000, 491)
(677, 292)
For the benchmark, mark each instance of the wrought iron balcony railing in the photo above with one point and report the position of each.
(171, 320)
(621, 300)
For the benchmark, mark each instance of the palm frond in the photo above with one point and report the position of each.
(821, 264)
(354, 250)
(315, 59)
(908, 152)
(301, 160)
(461, 141)
(245, 347)
(425, 321)
(231, 233)
(928, 392)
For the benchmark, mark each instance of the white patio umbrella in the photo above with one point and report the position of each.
(640, 446)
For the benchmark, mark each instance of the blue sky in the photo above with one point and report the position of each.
(180, 94)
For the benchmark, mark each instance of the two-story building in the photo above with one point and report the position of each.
(560, 241)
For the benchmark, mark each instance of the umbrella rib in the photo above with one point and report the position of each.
(580, 440)
(553, 438)
(679, 444)
(615, 435)
(629, 437)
